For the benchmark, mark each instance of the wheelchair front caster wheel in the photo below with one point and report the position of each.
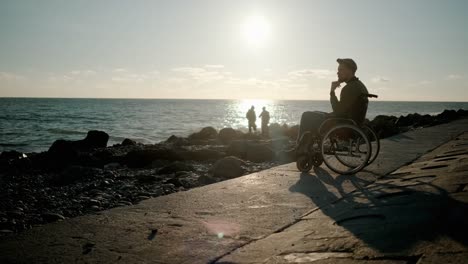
(317, 160)
(304, 163)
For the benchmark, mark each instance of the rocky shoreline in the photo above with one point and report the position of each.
(74, 178)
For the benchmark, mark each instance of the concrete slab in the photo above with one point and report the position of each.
(203, 224)
(402, 217)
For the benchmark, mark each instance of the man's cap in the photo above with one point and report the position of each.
(349, 63)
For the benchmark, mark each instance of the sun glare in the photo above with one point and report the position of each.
(256, 30)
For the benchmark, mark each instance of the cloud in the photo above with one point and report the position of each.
(454, 77)
(7, 76)
(379, 79)
(317, 73)
(214, 66)
(199, 74)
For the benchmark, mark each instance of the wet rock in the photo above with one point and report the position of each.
(277, 130)
(142, 158)
(385, 126)
(227, 135)
(259, 153)
(52, 217)
(175, 167)
(205, 133)
(206, 179)
(177, 141)
(292, 132)
(201, 154)
(252, 151)
(228, 168)
(129, 142)
(447, 115)
(61, 152)
(146, 178)
(74, 173)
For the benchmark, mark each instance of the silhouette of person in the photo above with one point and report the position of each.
(265, 116)
(251, 117)
(352, 104)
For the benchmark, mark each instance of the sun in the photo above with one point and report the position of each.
(256, 30)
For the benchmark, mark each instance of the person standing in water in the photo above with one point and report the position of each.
(252, 117)
(265, 116)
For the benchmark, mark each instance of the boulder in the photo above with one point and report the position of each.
(142, 158)
(201, 154)
(292, 132)
(259, 153)
(385, 126)
(252, 151)
(175, 167)
(63, 151)
(447, 115)
(129, 142)
(227, 135)
(96, 139)
(204, 134)
(277, 130)
(228, 168)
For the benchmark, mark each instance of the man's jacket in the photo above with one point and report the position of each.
(353, 101)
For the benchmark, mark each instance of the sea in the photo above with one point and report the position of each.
(33, 124)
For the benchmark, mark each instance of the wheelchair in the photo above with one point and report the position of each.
(343, 145)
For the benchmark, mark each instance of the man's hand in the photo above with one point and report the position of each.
(334, 85)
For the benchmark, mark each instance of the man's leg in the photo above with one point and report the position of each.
(310, 121)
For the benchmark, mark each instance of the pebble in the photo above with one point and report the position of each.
(51, 217)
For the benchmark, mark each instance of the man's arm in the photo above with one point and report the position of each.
(348, 97)
(333, 100)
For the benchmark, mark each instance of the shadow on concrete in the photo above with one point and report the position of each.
(399, 137)
(392, 216)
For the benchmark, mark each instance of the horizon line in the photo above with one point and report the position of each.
(162, 98)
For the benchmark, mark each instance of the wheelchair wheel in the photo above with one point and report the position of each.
(304, 163)
(374, 140)
(317, 159)
(346, 149)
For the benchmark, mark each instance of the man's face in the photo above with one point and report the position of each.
(344, 73)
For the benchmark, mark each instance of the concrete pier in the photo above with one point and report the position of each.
(410, 205)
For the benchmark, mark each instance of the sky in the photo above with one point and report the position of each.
(406, 50)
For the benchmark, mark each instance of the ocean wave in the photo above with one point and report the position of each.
(65, 132)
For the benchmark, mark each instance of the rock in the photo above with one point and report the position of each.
(286, 156)
(228, 168)
(259, 153)
(252, 151)
(74, 173)
(142, 158)
(277, 130)
(205, 133)
(177, 141)
(96, 139)
(447, 115)
(385, 126)
(292, 132)
(175, 167)
(64, 151)
(226, 135)
(12, 155)
(111, 166)
(146, 178)
(129, 142)
(52, 217)
(201, 154)
(206, 179)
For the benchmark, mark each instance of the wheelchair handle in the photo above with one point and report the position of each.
(370, 95)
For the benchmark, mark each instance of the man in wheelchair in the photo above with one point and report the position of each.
(351, 106)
